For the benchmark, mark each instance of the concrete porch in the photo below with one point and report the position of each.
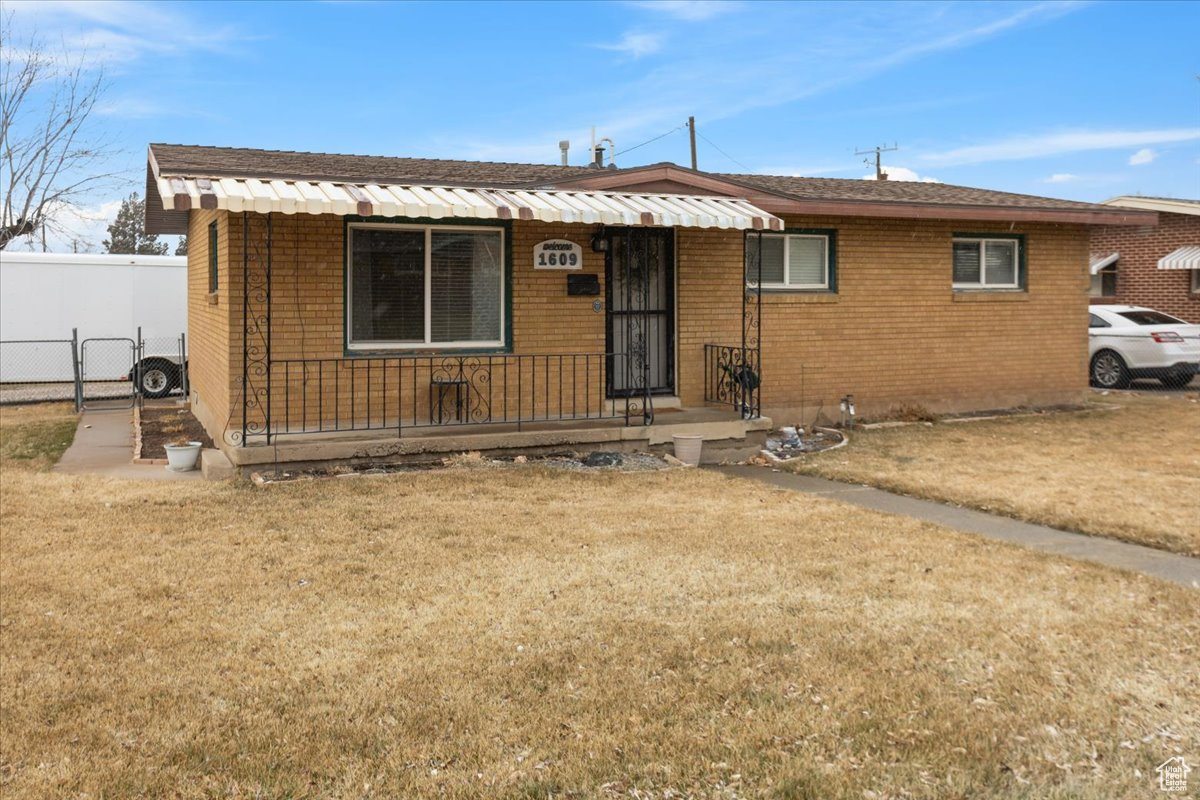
(727, 437)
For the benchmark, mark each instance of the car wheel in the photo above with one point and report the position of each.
(1176, 381)
(1108, 371)
(157, 378)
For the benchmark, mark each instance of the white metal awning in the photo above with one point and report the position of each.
(1098, 263)
(1186, 257)
(442, 202)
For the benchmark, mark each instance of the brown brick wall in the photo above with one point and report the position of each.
(894, 332)
(1139, 281)
(208, 323)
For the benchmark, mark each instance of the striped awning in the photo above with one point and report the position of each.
(1186, 257)
(443, 202)
(1097, 263)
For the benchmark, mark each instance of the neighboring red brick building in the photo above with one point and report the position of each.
(1155, 266)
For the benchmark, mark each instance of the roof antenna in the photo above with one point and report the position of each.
(880, 175)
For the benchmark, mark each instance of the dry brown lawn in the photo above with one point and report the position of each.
(1128, 470)
(528, 633)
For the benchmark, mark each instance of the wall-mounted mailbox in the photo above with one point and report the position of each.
(585, 285)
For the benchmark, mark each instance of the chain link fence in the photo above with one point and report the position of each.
(123, 370)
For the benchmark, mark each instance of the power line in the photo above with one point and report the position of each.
(722, 152)
(648, 141)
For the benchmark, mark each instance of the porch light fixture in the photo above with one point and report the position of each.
(600, 241)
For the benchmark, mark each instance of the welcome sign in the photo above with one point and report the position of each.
(557, 254)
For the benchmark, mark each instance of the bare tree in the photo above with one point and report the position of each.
(46, 157)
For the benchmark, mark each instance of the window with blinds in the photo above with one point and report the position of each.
(981, 263)
(789, 261)
(423, 286)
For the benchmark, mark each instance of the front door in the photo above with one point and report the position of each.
(640, 285)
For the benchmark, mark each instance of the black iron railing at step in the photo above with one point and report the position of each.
(325, 395)
(733, 377)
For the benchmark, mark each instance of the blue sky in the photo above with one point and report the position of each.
(1074, 100)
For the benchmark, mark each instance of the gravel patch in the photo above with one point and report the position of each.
(600, 461)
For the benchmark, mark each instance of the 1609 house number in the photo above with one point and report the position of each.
(557, 254)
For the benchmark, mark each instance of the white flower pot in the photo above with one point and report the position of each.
(688, 448)
(182, 457)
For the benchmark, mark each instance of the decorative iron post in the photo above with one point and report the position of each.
(751, 356)
(256, 336)
(647, 272)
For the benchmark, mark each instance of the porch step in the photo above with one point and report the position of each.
(731, 438)
(616, 405)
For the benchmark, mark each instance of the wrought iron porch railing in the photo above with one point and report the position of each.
(416, 391)
(733, 377)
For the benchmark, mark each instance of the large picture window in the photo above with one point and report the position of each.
(799, 261)
(424, 286)
(985, 263)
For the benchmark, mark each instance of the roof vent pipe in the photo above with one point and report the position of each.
(564, 146)
(612, 153)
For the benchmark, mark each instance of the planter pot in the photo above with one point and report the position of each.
(688, 449)
(182, 457)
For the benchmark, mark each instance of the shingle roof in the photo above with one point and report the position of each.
(203, 161)
(897, 192)
(209, 162)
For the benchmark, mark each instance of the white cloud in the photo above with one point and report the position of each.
(902, 174)
(103, 33)
(73, 228)
(836, 55)
(1061, 177)
(686, 79)
(636, 45)
(1143, 156)
(689, 10)
(1053, 144)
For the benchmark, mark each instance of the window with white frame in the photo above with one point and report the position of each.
(424, 286)
(789, 260)
(984, 263)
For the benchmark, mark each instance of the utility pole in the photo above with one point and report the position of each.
(880, 175)
(692, 136)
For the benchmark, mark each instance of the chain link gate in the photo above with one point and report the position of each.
(105, 368)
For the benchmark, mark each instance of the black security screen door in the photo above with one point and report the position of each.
(640, 283)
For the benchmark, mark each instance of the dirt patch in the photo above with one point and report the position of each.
(575, 462)
(161, 425)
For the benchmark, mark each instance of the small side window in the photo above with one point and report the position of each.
(212, 258)
(1096, 322)
(982, 262)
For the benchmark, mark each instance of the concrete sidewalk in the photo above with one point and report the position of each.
(104, 446)
(1158, 563)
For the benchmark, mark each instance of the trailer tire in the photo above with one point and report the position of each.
(156, 377)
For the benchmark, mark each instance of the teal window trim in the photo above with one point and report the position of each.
(359, 352)
(213, 258)
(830, 235)
(1022, 270)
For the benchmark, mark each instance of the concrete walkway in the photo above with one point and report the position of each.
(1158, 563)
(104, 446)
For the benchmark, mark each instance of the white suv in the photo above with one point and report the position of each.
(1128, 342)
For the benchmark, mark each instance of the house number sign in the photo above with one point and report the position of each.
(557, 254)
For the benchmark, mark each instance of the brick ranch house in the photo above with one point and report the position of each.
(1157, 266)
(349, 308)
